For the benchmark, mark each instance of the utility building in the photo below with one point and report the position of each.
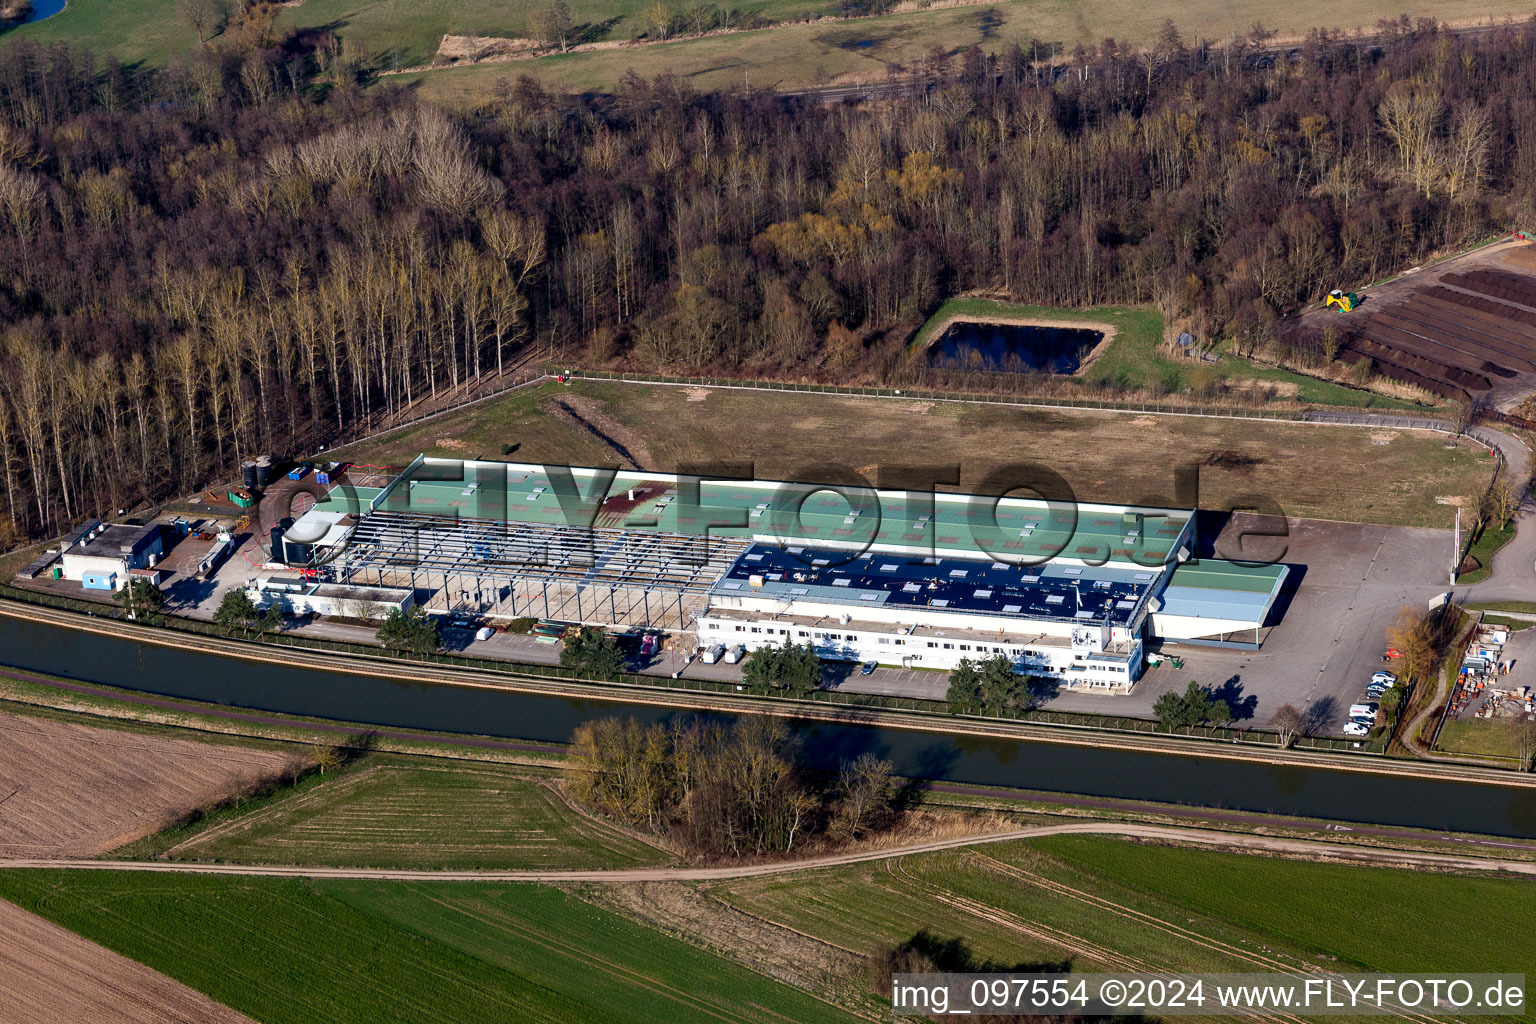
(102, 557)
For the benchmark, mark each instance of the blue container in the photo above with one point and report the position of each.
(99, 580)
(322, 478)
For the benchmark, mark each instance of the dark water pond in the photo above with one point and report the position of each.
(1012, 348)
(42, 10)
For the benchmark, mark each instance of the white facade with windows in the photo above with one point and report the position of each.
(1098, 658)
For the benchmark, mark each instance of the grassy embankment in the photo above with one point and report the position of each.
(1135, 360)
(1483, 547)
(1110, 457)
(285, 950)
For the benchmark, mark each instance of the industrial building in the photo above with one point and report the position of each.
(101, 557)
(910, 578)
(298, 595)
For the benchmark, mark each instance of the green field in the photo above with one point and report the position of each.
(294, 952)
(1111, 457)
(1134, 906)
(284, 950)
(1490, 737)
(801, 55)
(406, 813)
(794, 54)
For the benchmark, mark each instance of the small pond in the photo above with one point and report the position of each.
(41, 11)
(1012, 348)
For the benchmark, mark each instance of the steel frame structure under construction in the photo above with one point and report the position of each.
(573, 574)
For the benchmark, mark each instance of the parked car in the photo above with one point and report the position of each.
(1356, 729)
(1363, 710)
(1376, 689)
(1384, 678)
(868, 667)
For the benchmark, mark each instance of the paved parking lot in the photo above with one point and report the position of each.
(1348, 582)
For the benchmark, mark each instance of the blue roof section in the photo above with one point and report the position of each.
(1065, 593)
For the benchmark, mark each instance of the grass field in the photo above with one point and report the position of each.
(294, 952)
(1133, 360)
(1310, 470)
(1130, 906)
(286, 950)
(404, 813)
(1480, 736)
(795, 53)
(801, 55)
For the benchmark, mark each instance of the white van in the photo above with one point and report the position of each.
(710, 655)
(735, 654)
(1362, 711)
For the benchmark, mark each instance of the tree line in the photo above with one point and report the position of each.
(736, 791)
(249, 251)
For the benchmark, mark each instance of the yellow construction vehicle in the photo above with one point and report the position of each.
(1346, 301)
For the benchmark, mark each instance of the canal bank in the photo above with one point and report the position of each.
(393, 694)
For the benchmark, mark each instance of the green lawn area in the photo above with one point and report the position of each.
(151, 31)
(1160, 908)
(1133, 360)
(287, 951)
(409, 814)
(1488, 736)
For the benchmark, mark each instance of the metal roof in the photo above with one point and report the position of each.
(1014, 530)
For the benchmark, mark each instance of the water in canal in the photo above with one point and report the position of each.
(1236, 785)
(1012, 348)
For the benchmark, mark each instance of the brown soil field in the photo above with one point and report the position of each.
(1463, 329)
(49, 975)
(70, 790)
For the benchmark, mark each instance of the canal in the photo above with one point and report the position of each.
(1175, 779)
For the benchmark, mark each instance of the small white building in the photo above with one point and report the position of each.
(101, 558)
(297, 595)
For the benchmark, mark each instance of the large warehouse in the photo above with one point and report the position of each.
(911, 578)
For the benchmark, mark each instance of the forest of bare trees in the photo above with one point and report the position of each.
(253, 252)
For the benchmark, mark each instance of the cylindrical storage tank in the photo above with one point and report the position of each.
(248, 474)
(278, 552)
(263, 471)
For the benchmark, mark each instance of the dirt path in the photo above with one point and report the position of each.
(49, 974)
(1221, 840)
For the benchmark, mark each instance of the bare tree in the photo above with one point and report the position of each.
(204, 16)
(1287, 721)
